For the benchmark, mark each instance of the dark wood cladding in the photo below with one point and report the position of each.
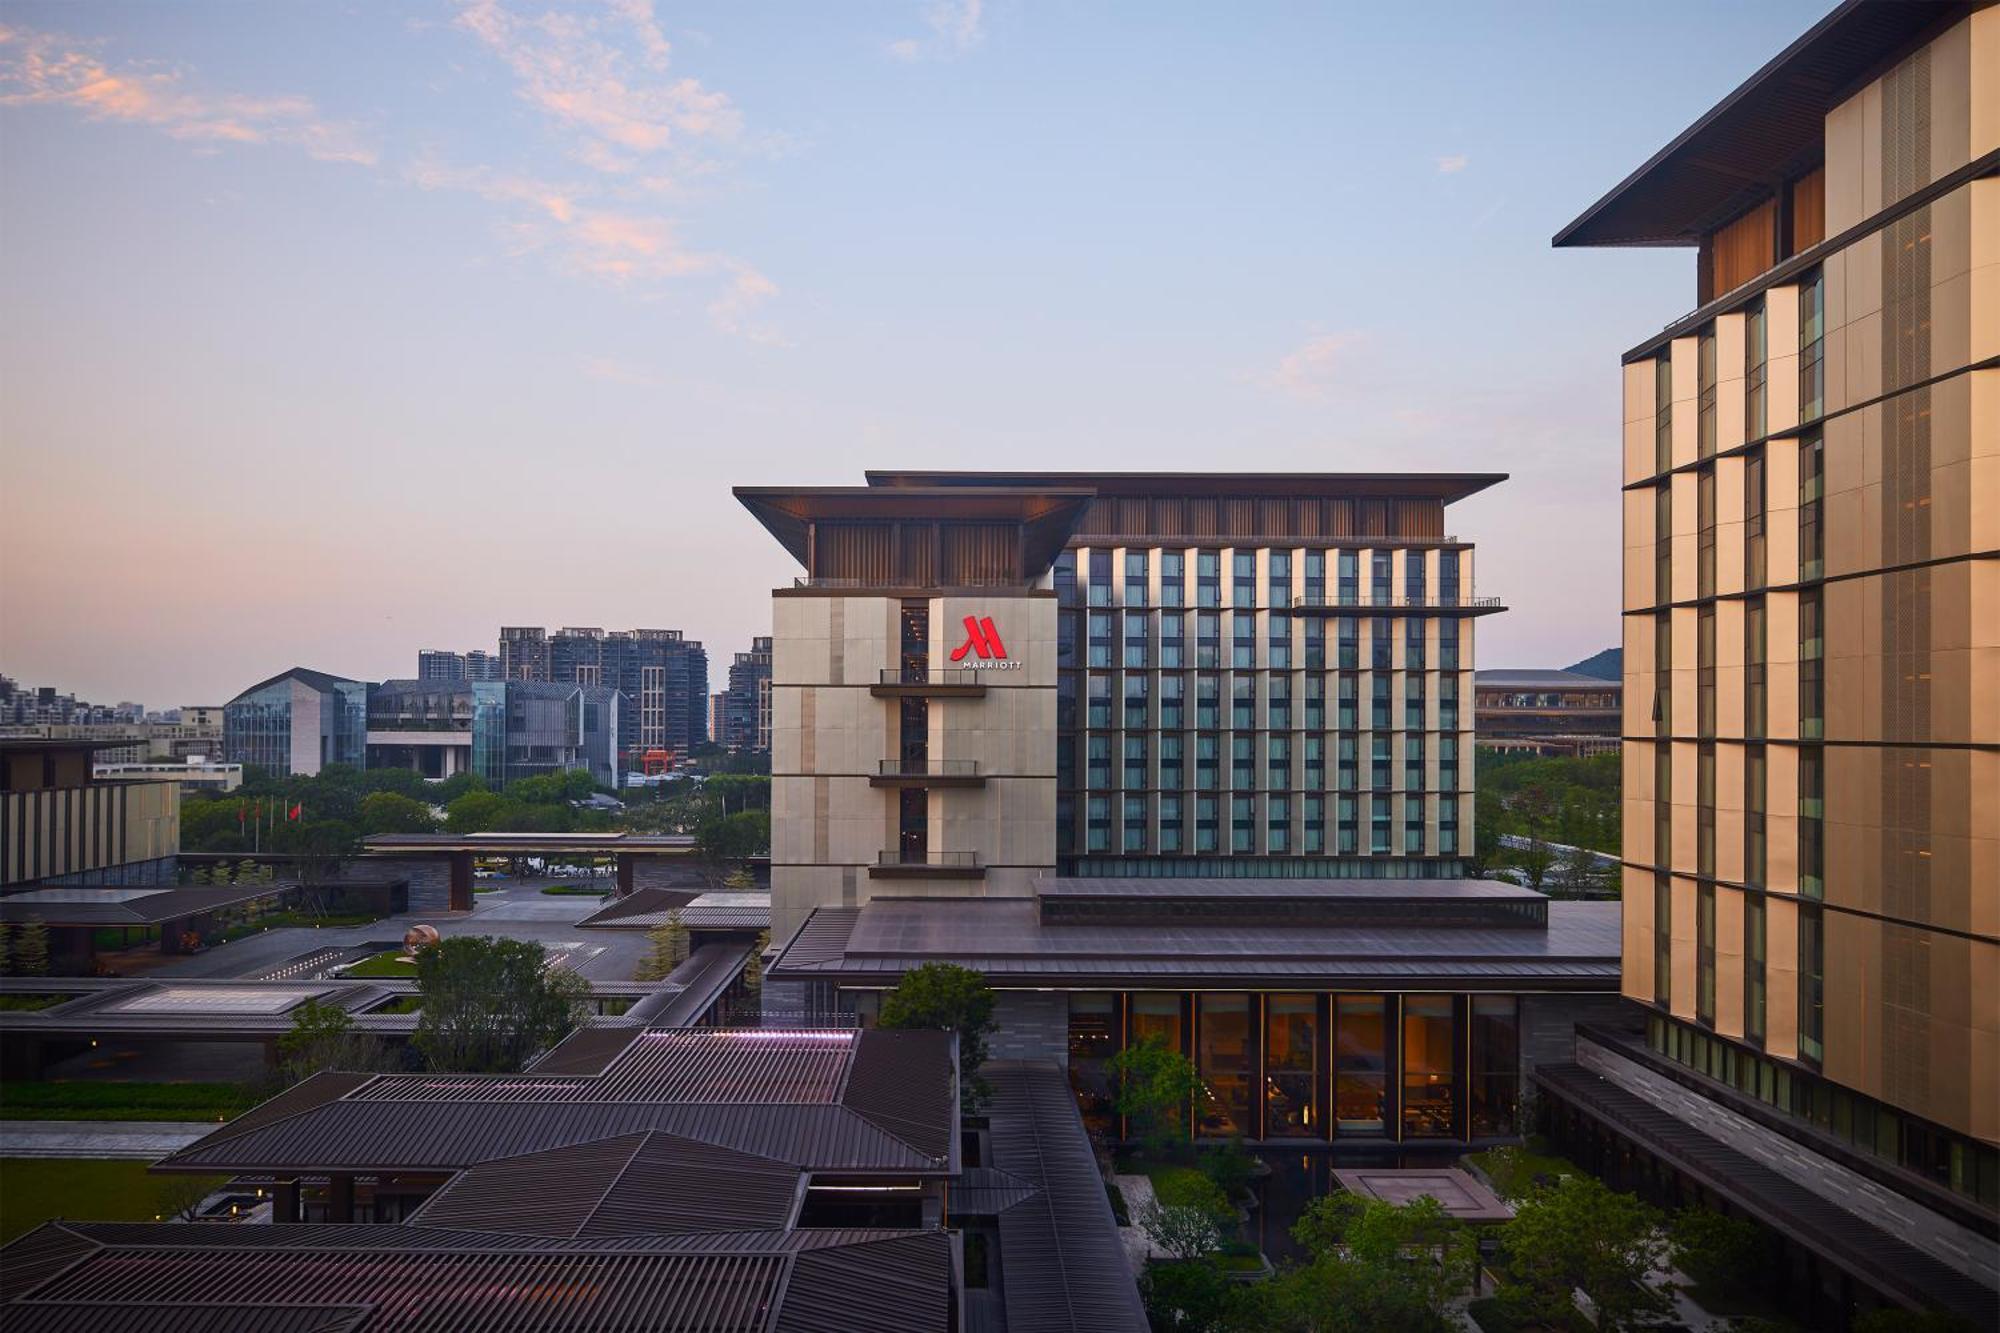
(1263, 518)
(942, 553)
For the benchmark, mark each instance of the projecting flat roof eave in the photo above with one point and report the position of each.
(1447, 486)
(1047, 514)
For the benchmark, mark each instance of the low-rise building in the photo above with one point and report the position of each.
(1547, 712)
(60, 823)
(297, 722)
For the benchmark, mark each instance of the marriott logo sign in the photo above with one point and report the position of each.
(983, 647)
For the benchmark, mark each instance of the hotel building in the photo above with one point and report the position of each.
(1812, 665)
(1164, 754)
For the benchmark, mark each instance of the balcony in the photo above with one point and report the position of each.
(929, 683)
(1361, 606)
(928, 773)
(896, 863)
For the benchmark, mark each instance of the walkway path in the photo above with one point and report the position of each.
(142, 1140)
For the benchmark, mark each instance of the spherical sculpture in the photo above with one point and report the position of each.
(418, 937)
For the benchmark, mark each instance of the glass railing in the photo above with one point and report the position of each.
(896, 856)
(1357, 603)
(929, 768)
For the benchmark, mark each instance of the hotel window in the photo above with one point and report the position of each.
(1097, 825)
(1066, 641)
(1207, 765)
(1447, 645)
(1065, 823)
(1496, 1065)
(1243, 579)
(1173, 712)
(1158, 1018)
(1429, 1048)
(1315, 578)
(1063, 576)
(1380, 590)
(1207, 640)
(1135, 823)
(1663, 938)
(1349, 630)
(1756, 669)
(1413, 644)
(1812, 347)
(1066, 702)
(1413, 703)
(1136, 577)
(1278, 763)
(1207, 701)
(1754, 950)
(1278, 642)
(1704, 508)
(1705, 389)
(1315, 755)
(1278, 578)
(1313, 628)
(1756, 784)
(1349, 765)
(1378, 704)
(1704, 691)
(1381, 644)
(1447, 578)
(1137, 771)
(1812, 822)
(1448, 764)
(1173, 578)
(1243, 654)
(1704, 954)
(1350, 826)
(1099, 703)
(1206, 823)
(1278, 824)
(1315, 703)
(1100, 639)
(1243, 763)
(1755, 359)
(1208, 578)
(1812, 985)
(1171, 770)
(1242, 824)
(1812, 508)
(1349, 700)
(1093, 1040)
(1663, 677)
(1099, 759)
(1349, 568)
(1663, 543)
(1705, 810)
(1413, 826)
(1223, 1058)
(1663, 413)
(1414, 590)
(1291, 1066)
(1170, 823)
(1663, 803)
(1315, 824)
(1378, 826)
(1173, 653)
(1100, 578)
(1278, 707)
(1138, 637)
(1448, 827)
(1812, 654)
(1361, 1064)
(1754, 501)
(1413, 762)
(1243, 703)
(1448, 703)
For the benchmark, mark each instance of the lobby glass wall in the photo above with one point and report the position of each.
(1429, 1060)
(1223, 1059)
(1291, 1067)
(1361, 1064)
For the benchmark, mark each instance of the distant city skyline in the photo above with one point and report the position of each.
(343, 334)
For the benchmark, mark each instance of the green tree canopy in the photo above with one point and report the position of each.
(1579, 1234)
(491, 1004)
(944, 995)
(393, 812)
(1153, 1085)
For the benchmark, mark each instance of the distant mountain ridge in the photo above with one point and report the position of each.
(1607, 665)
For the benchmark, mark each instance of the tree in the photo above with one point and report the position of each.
(392, 812)
(1371, 1265)
(1153, 1085)
(489, 1005)
(666, 949)
(1533, 860)
(323, 1036)
(1182, 1230)
(31, 948)
(6, 949)
(1189, 1297)
(318, 847)
(740, 880)
(1580, 873)
(1725, 1254)
(944, 995)
(477, 812)
(462, 783)
(753, 969)
(722, 839)
(1581, 1235)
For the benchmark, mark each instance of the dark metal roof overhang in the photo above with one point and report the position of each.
(1772, 126)
(1444, 486)
(1046, 514)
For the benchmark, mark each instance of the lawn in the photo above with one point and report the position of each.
(579, 890)
(388, 964)
(402, 1004)
(35, 1189)
(29, 1003)
(1513, 1170)
(122, 1101)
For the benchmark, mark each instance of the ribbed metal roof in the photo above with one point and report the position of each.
(159, 1317)
(588, 1050)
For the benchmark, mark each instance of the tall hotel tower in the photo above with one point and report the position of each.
(1812, 663)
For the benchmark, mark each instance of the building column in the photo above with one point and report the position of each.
(461, 881)
(340, 1198)
(285, 1200)
(623, 862)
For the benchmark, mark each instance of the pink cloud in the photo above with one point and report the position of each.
(1310, 370)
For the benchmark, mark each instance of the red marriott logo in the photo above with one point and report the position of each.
(980, 638)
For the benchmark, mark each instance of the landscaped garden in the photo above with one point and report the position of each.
(27, 1004)
(386, 964)
(36, 1189)
(122, 1101)
(582, 889)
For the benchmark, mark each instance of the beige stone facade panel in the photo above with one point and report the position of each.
(1636, 979)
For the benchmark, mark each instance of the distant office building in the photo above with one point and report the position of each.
(189, 775)
(1812, 707)
(500, 730)
(441, 664)
(61, 823)
(662, 675)
(1546, 712)
(746, 708)
(524, 652)
(718, 712)
(297, 722)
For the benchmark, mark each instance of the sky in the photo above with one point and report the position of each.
(337, 331)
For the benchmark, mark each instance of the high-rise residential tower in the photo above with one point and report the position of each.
(1812, 663)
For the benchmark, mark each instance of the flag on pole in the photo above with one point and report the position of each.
(297, 812)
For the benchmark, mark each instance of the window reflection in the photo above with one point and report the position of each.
(1093, 1039)
(1223, 1060)
(1496, 1047)
(1427, 1067)
(1361, 1066)
(1291, 1067)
